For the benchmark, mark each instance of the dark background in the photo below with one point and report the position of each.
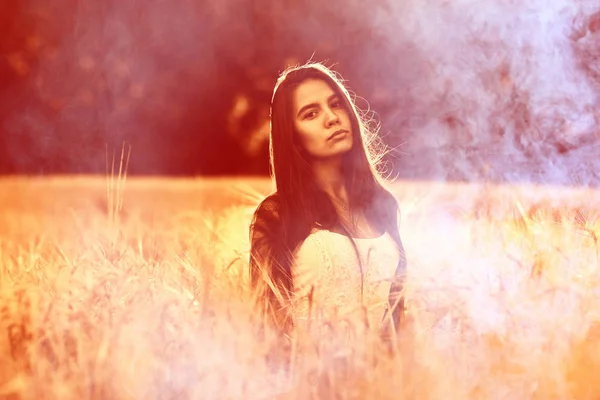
(474, 91)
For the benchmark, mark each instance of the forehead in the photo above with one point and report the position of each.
(311, 91)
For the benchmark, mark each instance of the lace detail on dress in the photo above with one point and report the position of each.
(337, 284)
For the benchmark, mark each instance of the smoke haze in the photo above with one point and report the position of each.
(465, 90)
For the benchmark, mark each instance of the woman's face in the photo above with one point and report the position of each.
(321, 120)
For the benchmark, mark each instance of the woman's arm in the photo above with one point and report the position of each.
(394, 314)
(266, 254)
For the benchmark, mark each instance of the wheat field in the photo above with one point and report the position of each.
(138, 289)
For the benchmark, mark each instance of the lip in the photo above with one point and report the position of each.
(337, 133)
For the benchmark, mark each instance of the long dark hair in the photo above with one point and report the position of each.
(285, 218)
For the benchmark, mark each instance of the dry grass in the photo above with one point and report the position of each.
(502, 293)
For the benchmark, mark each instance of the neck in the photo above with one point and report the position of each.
(329, 177)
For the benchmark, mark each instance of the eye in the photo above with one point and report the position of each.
(336, 104)
(310, 114)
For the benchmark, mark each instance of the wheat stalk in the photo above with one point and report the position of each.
(115, 186)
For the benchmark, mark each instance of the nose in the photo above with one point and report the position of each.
(331, 117)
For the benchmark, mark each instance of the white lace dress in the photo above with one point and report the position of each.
(330, 285)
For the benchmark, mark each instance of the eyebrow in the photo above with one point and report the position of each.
(333, 96)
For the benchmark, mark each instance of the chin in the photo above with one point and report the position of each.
(348, 143)
(345, 147)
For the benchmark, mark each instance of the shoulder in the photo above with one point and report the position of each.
(308, 248)
(385, 206)
(393, 204)
(312, 252)
(268, 208)
(266, 221)
(271, 202)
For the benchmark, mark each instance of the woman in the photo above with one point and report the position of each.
(326, 243)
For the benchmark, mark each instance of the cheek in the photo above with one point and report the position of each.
(345, 115)
(307, 137)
